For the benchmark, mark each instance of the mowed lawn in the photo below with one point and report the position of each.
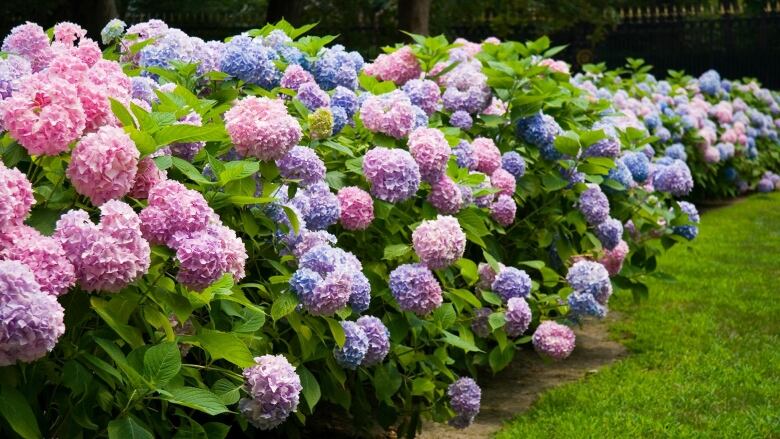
(705, 350)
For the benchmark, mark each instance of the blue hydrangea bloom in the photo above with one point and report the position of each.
(346, 99)
(320, 207)
(420, 118)
(638, 164)
(540, 130)
(621, 174)
(588, 277)
(512, 282)
(464, 155)
(609, 233)
(355, 347)
(513, 163)
(675, 178)
(335, 67)
(360, 297)
(663, 134)
(709, 82)
(461, 119)
(689, 231)
(585, 305)
(304, 281)
(676, 151)
(340, 119)
(250, 61)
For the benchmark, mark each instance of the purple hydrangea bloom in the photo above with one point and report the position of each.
(143, 88)
(464, 155)
(689, 231)
(511, 282)
(304, 281)
(312, 96)
(13, 71)
(584, 305)
(540, 130)
(32, 321)
(465, 396)
(355, 346)
(518, 317)
(709, 82)
(346, 99)
(513, 163)
(479, 323)
(594, 205)
(324, 259)
(676, 151)
(461, 119)
(609, 233)
(466, 90)
(621, 174)
(648, 151)
(675, 179)
(330, 295)
(446, 196)
(319, 206)
(638, 164)
(393, 174)
(360, 295)
(765, 185)
(503, 210)
(302, 163)
(378, 340)
(440, 242)
(420, 118)
(415, 288)
(423, 93)
(335, 67)
(275, 391)
(248, 60)
(588, 277)
(554, 340)
(340, 119)
(609, 147)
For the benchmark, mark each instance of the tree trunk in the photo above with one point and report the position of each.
(413, 16)
(290, 10)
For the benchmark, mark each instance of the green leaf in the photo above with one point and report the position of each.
(121, 112)
(196, 398)
(421, 386)
(283, 305)
(183, 133)
(222, 345)
(127, 428)
(492, 298)
(445, 315)
(499, 359)
(238, 170)
(241, 200)
(143, 140)
(459, 342)
(190, 171)
(251, 320)
(468, 270)
(337, 331)
(496, 320)
(387, 381)
(130, 334)
(396, 251)
(162, 362)
(17, 412)
(553, 182)
(311, 388)
(491, 261)
(294, 220)
(227, 391)
(568, 143)
(466, 295)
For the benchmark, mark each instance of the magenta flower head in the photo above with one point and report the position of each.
(613, 259)
(431, 152)
(503, 210)
(511, 282)
(440, 242)
(109, 256)
(465, 397)
(553, 340)
(518, 317)
(16, 197)
(446, 196)
(44, 256)
(30, 42)
(262, 128)
(594, 205)
(45, 115)
(173, 209)
(206, 255)
(357, 208)
(391, 113)
(302, 163)
(32, 320)
(378, 340)
(399, 66)
(104, 164)
(486, 155)
(393, 174)
(415, 288)
(503, 181)
(275, 391)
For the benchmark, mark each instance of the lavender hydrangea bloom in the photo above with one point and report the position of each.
(415, 288)
(465, 396)
(584, 305)
(461, 119)
(765, 185)
(518, 317)
(513, 163)
(355, 346)
(32, 320)
(638, 164)
(446, 196)
(275, 391)
(503, 210)
(511, 282)
(676, 151)
(335, 67)
(709, 82)
(304, 281)
(689, 231)
(302, 163)
(312, 96)
(594, 205)
(553, 340)
(248, 60)
(320, 207)
(609, 233)
(424, 93)
(330, 295)
(675, 179)
(324, 259)
(378, 340)
(479, 323)
(588, 277)
(13, 71)
(360, 295)
(540, 130)
(393, 174)
(346, 99)
(609, 147)
(464, 155)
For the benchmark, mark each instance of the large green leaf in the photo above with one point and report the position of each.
(222, 345)
(459, 342)
(311, 388)
(127, 428)
(162, 362)
(196, 398)
(18, 414)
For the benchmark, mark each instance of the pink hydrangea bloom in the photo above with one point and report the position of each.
(173, 209)
(67, 32)
(555, 65)
(503, 181)
(440, 242)
(357, 208)
(45, 115)
(497, 107)
(295, 76)
(108, 256)
(431, 152)
(146, 177)
(446, 196)
(233, 248)
(31, 42)
(470, 49)
(399, 66)
(262, 128)
(503, 210)
(486, 155)
(554, 340)
(492, 40)
(16, 197)
(613, 259)
(45, 257)
(390, 114)
(201, 261)
(103, 165)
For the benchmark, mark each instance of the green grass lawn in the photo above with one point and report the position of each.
(705, 350)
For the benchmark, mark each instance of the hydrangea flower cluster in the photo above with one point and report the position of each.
(540, 130)
(43, 255)
(479, 323)
(337, 67)
(302, 163)
(592, 288)
(610, 233)
(440, 242)
(487, 157)
(356, 208)
(465, 397)
(262, 128)
(274, 389)
(355, 346)
(518, 317)
(674, 178)
(391, 114)
(423, 93)
(513, 163)
(378, 340)
(399, 66)
(393, 174)
(594, 205)
(16, 197)
(249, 60)
(689, 231)
(503, 210)
(415, 288)
(553, 340)
(431, 151)
(511, 282)
(613, 259)
(446, 196)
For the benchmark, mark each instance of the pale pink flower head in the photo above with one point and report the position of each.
(68, 33)
(613, 259)
(146, 177)
(356, 208)
(391, 113)
(486, 155)
(555, 65)
(399, 66)
(262, 128)
(45, 115)
(431, 151)
(31, 42)
(440, 242)
(503, 181)
(467, 48)
(173, 209)
(44, 256)
(492, 40)
(16, 197)
(103, 165)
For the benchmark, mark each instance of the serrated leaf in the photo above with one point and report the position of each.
(396, 251)
(162, 362)
(196, 398)
(127, 428)
(283, 305)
